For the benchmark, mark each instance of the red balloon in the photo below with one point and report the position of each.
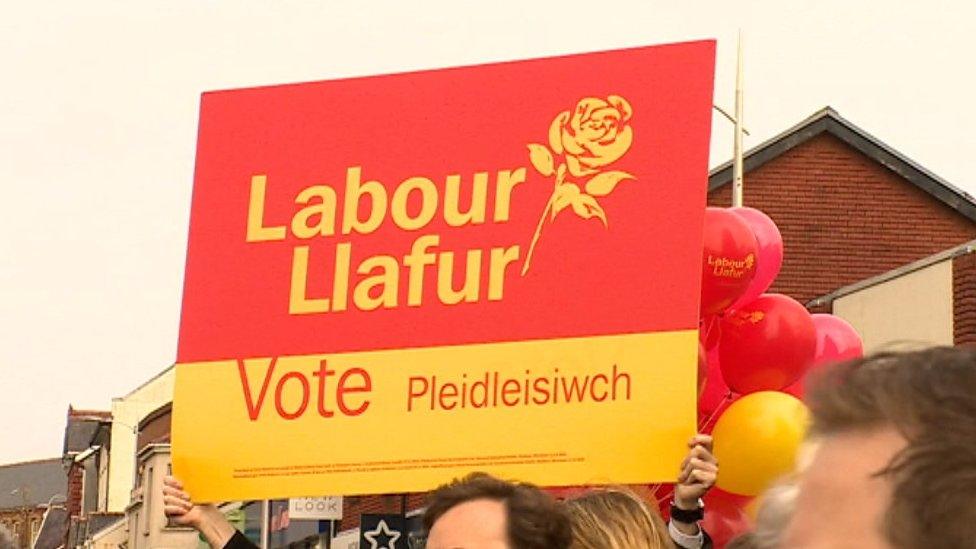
(766, 344)
(728, 260)
(837, 341)
(725, 516)
(770, 256)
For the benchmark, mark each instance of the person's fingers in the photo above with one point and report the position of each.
(695, 465)
(172, 481)
(175, 493)
(705, 478)
(697, 453)
(177, 501)
(701, 440)
(702, 453)
(173, 510)
(707, 455)
(703, 465)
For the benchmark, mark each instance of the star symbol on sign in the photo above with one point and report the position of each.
(390, 536)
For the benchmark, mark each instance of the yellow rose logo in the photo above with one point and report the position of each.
(594, 135)
(582, 143)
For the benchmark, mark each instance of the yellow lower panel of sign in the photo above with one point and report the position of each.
(556, 412)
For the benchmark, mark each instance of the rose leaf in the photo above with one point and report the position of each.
(587, 207)
(542, 159)
(603, 184)
(565, 195)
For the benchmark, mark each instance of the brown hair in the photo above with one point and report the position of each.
(930, 398)
(616, 519)
(534, 519)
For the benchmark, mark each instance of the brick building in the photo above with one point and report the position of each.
(852, 209)
(931, 301)
(87, 442)
(27, 491)
(849, 206)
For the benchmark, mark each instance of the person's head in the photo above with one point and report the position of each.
(895, 464)
(616, 519)
(483, 512)
(773, 514)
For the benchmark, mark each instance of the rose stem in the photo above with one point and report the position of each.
(560, 178)
(538, 233)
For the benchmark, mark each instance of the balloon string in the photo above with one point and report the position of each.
(725, 400)
(655, 488)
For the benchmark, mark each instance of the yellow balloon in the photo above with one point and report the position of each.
(756, 440)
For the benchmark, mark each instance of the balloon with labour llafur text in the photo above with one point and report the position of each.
(728, 260)
(769, 257)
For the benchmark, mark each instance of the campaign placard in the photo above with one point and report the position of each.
(396, 280)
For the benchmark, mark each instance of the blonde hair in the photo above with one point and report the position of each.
(616, 519)
(775, 512)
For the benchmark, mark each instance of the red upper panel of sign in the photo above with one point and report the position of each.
(595, 162)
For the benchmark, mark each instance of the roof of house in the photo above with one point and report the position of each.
(827, 120)
(31, 483)
(53, 529)
(99, 522)
(82, 428)
(945, 255)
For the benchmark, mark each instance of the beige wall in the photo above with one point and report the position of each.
(147, 524)
(914, 309)
(127, 412)
(112, 537)
(104, 460)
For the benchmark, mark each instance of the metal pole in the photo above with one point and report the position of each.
(265, 523)
(737, 147)
(730, 118)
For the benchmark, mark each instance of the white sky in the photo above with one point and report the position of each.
(98, 115)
